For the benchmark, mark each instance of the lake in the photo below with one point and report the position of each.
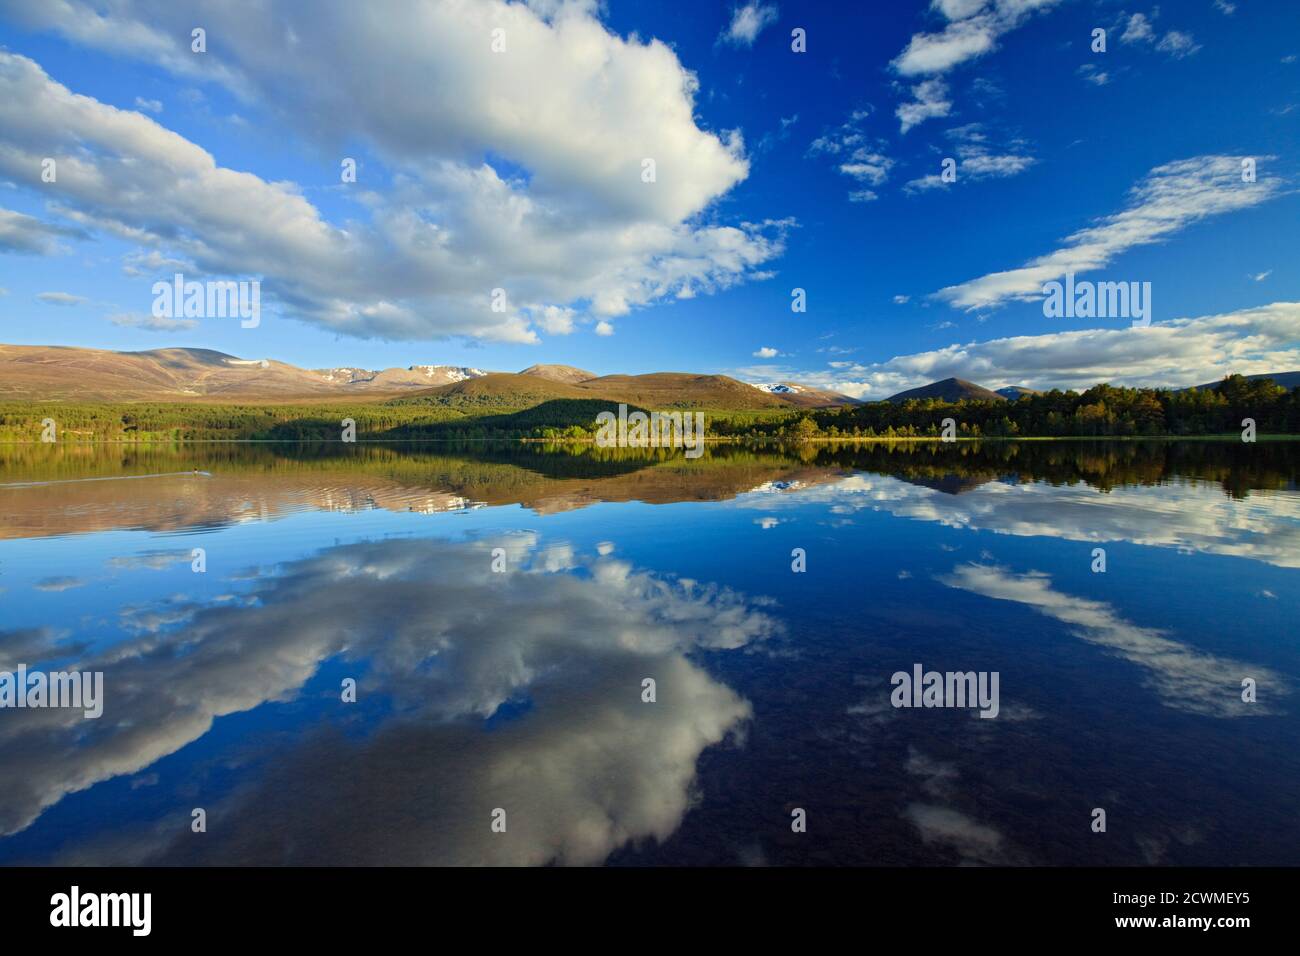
(443, 654)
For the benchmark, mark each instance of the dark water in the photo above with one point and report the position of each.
(521, 690)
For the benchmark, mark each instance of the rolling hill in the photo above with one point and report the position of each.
(950, 390)
(559, 373)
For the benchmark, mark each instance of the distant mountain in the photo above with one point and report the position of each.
(1285, 379)
(805, 395)
(416, 376)
(76, 374)
(950, 390)
(1013, 392)
(57, 373)
(658, 390)
(559, 373)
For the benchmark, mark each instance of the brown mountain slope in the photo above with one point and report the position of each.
(681, 390)
(806, 396)
(504, 390)
(660, 390)
(32, 372)
(559, 373)
(97, 375)
(950, 390)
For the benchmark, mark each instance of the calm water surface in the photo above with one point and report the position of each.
(522, 689)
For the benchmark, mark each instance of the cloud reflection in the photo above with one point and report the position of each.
(553, 651)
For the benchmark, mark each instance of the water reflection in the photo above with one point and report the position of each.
(522, 690)
(449, 645)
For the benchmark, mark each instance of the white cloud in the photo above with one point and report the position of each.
(151, 323)
(1227, 8)
(555, 320)
(748, 21)
(863, 157)
(972, 31)
(1170, 198)
(23, 234)
(565, 221)
(1138, 30)
(766, 353)
(604, 328)
(61, 298)
(1178, 44)
(868, 167)
(1261, 276)
(1094, 75)
(976, 163)
(902, 299)
(149, 106)
(929, 100)
(1176, 353)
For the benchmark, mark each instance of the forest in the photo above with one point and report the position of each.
(1101, 411)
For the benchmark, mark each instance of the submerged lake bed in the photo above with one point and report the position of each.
(438, 653)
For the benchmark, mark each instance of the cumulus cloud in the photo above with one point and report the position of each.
(1175, 353)
(748, 21)
(973, 29)
(23, 234)
(766, 353)
(429, 626)
(563, 218)
(1169, 199)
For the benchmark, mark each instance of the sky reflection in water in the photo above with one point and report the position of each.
(522, 690)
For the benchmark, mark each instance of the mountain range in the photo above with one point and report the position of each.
(64, 373)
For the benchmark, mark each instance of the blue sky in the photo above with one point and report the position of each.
(522, 169)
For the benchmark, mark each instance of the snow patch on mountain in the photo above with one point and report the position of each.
(453, 373)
